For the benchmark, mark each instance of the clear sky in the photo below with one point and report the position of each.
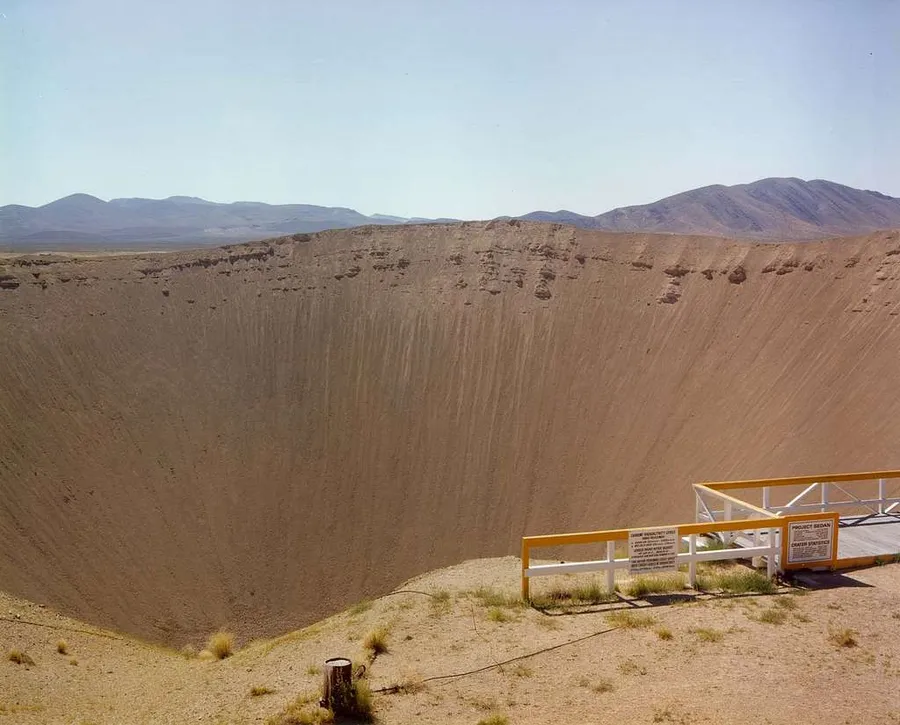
(443, 108)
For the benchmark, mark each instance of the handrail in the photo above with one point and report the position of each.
(734, 500)
(800, 480)
(610, 536)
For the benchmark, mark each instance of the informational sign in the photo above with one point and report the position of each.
(810, 541)
(652, 550)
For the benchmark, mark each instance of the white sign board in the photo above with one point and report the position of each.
(810, 541)
(652, 550)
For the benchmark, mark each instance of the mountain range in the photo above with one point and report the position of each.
(773, 209)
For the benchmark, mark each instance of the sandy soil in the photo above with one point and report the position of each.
(574, 666)
(258, 436)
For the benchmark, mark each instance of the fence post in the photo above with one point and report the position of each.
(692, 566)
(773, 549)
(881, 495)
(611, 572)
(727, 536)
(526, 594)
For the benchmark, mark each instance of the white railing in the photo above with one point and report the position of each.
(766, 542)
(706, 500)
(826, 500)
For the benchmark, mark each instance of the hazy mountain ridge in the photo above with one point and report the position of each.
(773, 209)
(83, 218)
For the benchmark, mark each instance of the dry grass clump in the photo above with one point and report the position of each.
(221, 645)
(601, 686)
(736, 581)
(314, 670)
(376, 641)
(664, 633)
(843, 638)
(772, 616)
(489, 597)
(626, 619)
(20, 657)
(646, 584)
(707, 634)
(305, 710)
(441, 596)
(630, 667)
(260, 690)
(495, 614)
(360, 608)
(495, 719)
(441, 603)
(409, 684)
(62, 647)
(591, 592)
(786, 602)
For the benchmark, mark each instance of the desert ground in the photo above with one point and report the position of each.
(461, 650)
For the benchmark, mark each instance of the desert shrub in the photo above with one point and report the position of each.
(376, 641)
(221, 645)
(664, 633)
(62, 647)
(20, 657)
(260, 690)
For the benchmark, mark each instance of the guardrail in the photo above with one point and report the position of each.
(797, 533)
(824, 486)
(769, 540)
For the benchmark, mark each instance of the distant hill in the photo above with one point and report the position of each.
(776, 209)
(766, 209)
(84, 220)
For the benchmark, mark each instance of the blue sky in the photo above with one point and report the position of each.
(467, 109)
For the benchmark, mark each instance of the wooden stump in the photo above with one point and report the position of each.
(338, 684)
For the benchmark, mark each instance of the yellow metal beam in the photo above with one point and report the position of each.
(801, 480)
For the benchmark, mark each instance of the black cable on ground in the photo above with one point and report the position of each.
(396, 688)
(61, 628)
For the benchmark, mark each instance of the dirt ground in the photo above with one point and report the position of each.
(724, 663)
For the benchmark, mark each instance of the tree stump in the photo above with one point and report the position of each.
(338, 684)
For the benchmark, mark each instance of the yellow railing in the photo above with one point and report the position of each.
(800, 480)
(691, 557)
